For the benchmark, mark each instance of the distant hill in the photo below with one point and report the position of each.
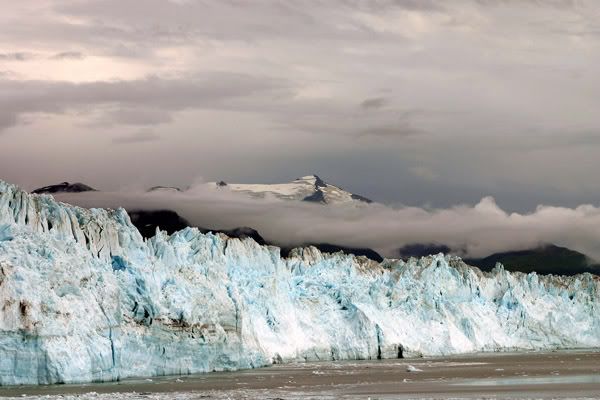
(548, 259)
(65, 187)
(146, 221)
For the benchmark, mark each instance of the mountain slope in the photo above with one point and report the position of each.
(308, 188)
(549, 259)
(545, 260)
(65, 187)
(86, 298)
(147, 221)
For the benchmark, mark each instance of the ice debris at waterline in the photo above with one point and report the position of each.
(83, 297)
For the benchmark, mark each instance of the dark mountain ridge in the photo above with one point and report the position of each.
(546, 259)
(65, 187)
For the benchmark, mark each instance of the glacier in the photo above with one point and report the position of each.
(83, 297)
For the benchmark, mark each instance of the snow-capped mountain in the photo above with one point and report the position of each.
(308, 188)
(84, 297)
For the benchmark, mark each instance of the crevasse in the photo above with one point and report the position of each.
(83, 297)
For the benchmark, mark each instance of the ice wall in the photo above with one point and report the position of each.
(83, 297)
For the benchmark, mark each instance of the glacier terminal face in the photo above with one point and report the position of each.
(83, 297)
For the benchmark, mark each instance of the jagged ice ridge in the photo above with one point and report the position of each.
(83, 297)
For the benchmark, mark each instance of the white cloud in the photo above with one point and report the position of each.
(479, 230)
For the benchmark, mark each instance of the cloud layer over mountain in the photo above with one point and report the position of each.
(473, 231)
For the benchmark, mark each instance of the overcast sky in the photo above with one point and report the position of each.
(409, 102)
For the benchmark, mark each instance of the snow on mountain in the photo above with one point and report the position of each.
(308, 188)
(83, 297)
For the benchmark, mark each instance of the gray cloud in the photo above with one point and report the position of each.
(68, 55)
(135, 116)
(137, 137)
(7, 119)
(374, 103)
(17, 56)
(400, 130)
(209, 90)
(416, 5)
(399, 124)
(506, 93)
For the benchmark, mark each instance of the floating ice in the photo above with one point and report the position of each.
(83, 297)
(411, 368)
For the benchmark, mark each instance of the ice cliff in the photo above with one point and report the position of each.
(83, 297)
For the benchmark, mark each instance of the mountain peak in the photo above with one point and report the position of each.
(307, 177)
(309, 188)
(314, 179)
(65, 187)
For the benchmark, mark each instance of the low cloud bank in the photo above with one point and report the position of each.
(471, 231)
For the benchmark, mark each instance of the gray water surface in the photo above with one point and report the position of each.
(543, 375)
